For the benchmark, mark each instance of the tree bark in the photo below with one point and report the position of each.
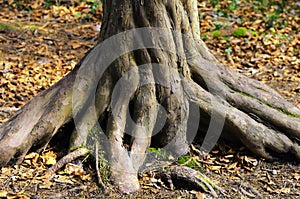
(148, 79)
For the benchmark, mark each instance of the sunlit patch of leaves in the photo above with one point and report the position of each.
(258, 38)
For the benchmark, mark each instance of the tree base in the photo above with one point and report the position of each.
(139, 88)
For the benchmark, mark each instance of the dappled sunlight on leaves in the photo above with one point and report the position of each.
(267, 52)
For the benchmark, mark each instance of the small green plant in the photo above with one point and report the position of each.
(159, 152)
(240, 32)
(94, 4)
(183, 159)
(240, 20)
(228, 50)
(233, 5)
(214, 3)
(204, 37)
(191, 162)
(272, 18)
(188, 161)
(216, 33)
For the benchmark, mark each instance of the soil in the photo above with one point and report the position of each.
(38, 46)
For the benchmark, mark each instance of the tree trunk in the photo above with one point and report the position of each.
(147, 82)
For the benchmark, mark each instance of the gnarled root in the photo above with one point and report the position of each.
(260, 134)
(188, 178)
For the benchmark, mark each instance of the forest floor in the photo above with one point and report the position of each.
(42, 41)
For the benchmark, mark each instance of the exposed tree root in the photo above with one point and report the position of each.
(37, 122)
(188, 178)
(248, 190)
(257, 136)
(80, 152)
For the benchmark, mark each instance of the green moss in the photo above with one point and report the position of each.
(243, 32)
(7, 27)
(216, 33)
(240, 32)
(288, 113)
(19, 22)
(18, 26)
(281, 109)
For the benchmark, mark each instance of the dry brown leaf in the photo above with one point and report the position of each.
(232, 166)
(283, 190)
(73, 169)
(296, 176)
(3, 194)
(214, 168)
(49, 158)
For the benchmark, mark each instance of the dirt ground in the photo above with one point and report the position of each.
(40, 45)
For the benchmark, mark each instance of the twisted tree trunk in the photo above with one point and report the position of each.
(148, 85)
